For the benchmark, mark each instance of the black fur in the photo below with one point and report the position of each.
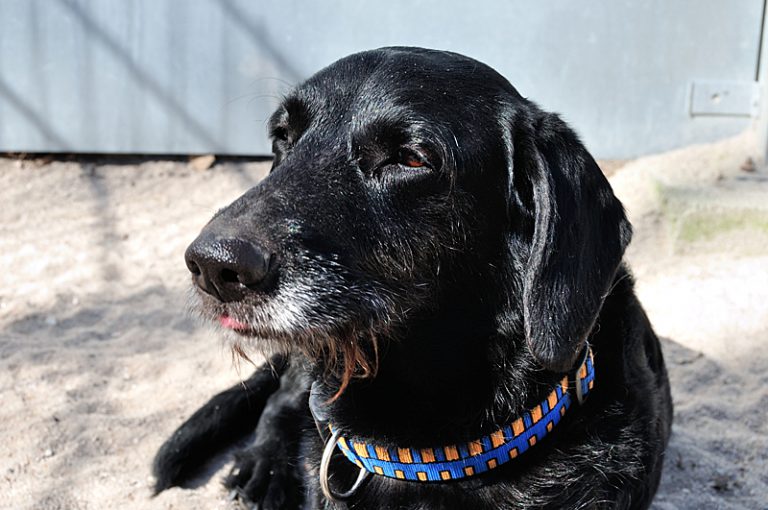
(434, 250)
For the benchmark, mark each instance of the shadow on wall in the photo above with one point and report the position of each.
(98, 37)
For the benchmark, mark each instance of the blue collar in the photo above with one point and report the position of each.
(474, 457)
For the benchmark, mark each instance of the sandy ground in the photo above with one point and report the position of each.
(99, 360)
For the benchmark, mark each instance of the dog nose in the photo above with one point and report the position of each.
(227, 267)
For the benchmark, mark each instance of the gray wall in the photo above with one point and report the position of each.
(198, 76)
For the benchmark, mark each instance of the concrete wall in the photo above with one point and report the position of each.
(198, 76)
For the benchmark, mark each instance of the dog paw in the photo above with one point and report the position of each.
(264, 479)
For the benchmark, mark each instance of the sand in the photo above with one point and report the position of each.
(99, 360)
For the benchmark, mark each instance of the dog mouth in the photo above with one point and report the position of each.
(302, 309)
(228, 322)
(242, 320)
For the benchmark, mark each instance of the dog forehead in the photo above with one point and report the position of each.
(402, 81)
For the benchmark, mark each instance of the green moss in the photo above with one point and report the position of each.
(706, 225)
(672, 201)
(701, 215)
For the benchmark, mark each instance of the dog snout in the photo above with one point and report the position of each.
(228, 267)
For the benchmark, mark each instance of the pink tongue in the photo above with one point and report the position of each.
(228, 322)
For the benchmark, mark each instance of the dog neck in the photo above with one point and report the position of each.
(447, 380)
(459, 460)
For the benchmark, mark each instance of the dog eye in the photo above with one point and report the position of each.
(281, 145)
(279, 134)
(412, 158)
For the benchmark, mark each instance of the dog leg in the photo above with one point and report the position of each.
(269, 473)
(225, 418)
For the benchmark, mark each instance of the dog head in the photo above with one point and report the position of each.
(406, 181)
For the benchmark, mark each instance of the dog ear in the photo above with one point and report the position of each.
(579, 233)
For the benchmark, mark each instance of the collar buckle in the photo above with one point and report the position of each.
(579, 373)
(325, 485)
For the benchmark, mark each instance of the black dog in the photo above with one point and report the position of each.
(437, 259)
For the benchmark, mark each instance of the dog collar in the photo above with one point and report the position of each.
(463, 460)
